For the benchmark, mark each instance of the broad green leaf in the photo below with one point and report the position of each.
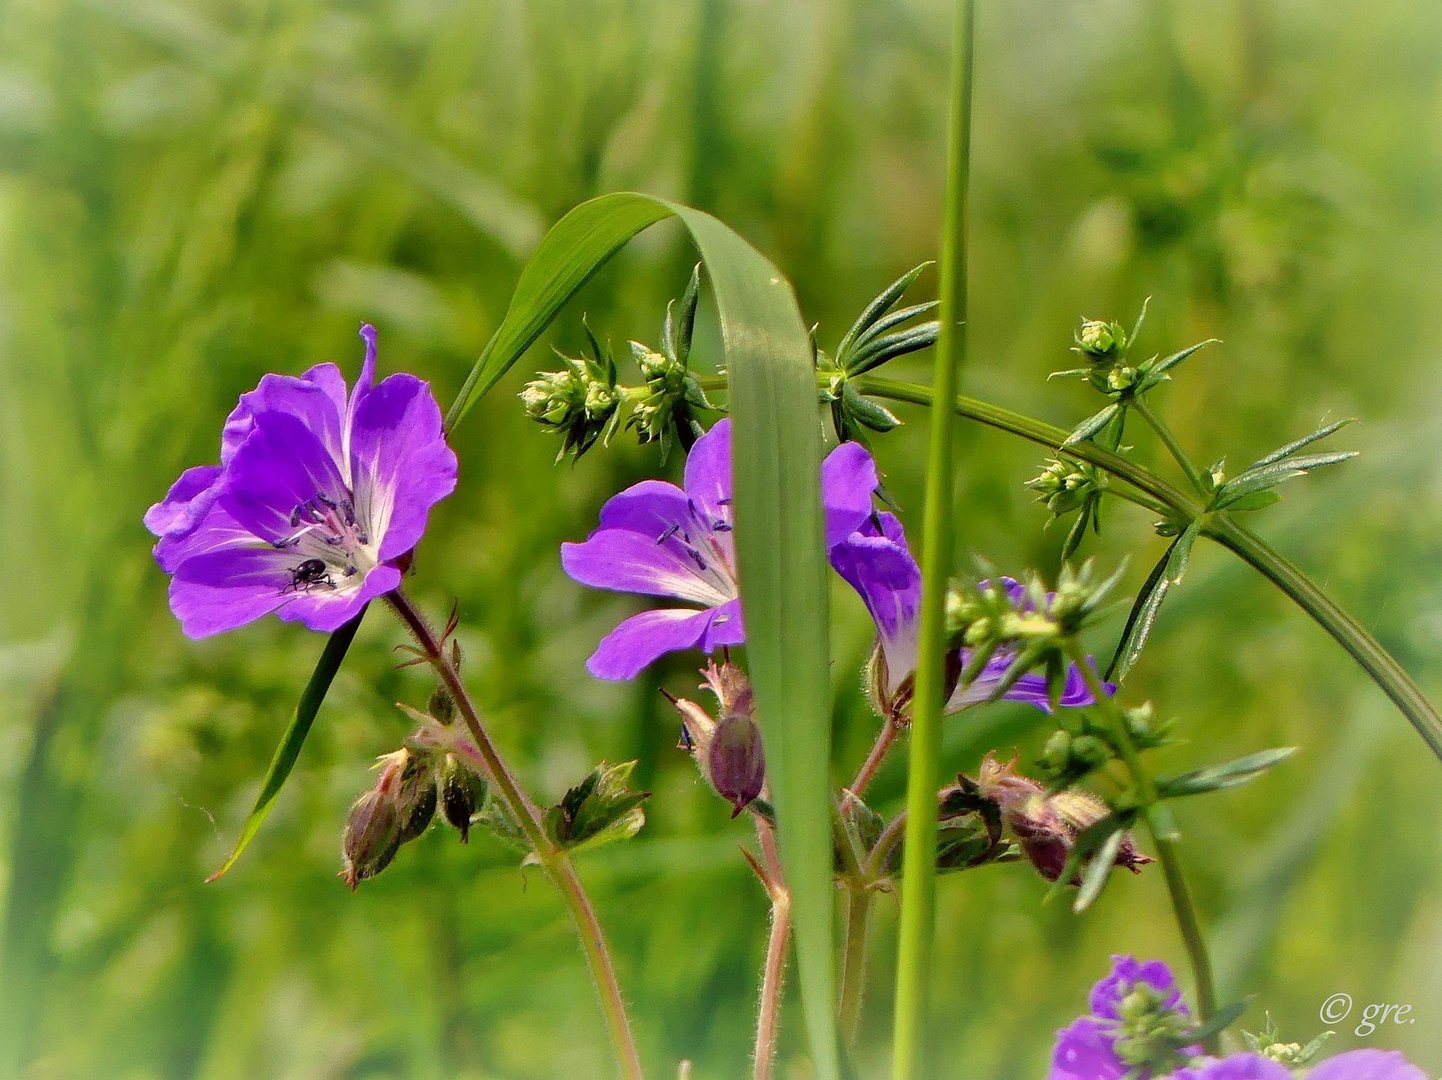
(779, 528)
(1228, 775)
(294, 738)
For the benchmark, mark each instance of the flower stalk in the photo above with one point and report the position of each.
(919, 864)
(1164, 840)
(773, 971)
(554, 860)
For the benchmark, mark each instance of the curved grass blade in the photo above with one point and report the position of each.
(779, 529)
(295, 735)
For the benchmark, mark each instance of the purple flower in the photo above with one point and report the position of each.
(1091, 1048)
(1128, 973)
(659, 540)
(1367, 1065)
(1353, 1065)
(1237, 1067)
(876, 562)
(316, 497)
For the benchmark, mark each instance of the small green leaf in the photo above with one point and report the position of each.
(1098, 869)
(294, 738)
(878, 307)
(1257, 500)
(1092, 424)
(1141, 617)
(597, 811)
(1306, 440)
(1222, 1019)
(1155, 371)
(1180, 553)
(1228, 775)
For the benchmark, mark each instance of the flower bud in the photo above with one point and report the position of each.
(1100, 340)
(415, 796)
(1121, 378)
(1064, 486)
(463, 792)
(735, 761)
(372, 836)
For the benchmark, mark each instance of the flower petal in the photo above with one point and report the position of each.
(626, 561)
(326, 610)
(186, 503)
(876, 562)
(652, 508)
(641, 639)
(1127, 972)
(1366, 1065)
(708, 474)
(318, 398)
(280, 465)
(1084, 1052)
(848, 481)
(216, 531)
(221, 590)
(1249, 1067)
(1030, 688)
(400, 463)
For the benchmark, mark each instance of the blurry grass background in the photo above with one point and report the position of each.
(193, 193)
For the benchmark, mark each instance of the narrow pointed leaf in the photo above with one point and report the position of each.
(1141, 618)
(1162, 366)
(1098, 870)
(1216, 777)
(779, 528)
(1180, 554)
(1091, 425)
(294, 738)
(880, 306)
(1306, 440)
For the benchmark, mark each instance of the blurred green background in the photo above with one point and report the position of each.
(194, 193)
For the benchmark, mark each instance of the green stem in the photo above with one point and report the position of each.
(1383, 668)
(853, 962)
(1194, 475)
(913, 975)
(1164, 841)
(1345, 630)
(554, 860)
(768, 1012)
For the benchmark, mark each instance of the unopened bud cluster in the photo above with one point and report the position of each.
(581, 400)
(412, 784)
(1064, 486)
(1046, 825)
(1151, 1030)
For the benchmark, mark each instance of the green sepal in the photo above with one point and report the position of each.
(597, 811)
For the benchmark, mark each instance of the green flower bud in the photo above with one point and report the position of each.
(415, 796)
(463, 793)
(1099, 339)
(1064, 486)
(1121, 378)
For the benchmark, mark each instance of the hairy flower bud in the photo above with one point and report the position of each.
(415, 795)
(463, 792)
(736, 762)
(372, 836)
(1047, 826)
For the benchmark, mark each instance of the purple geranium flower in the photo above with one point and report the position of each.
(1353, 1065)
(316, 497)
(1086, 1048)
(877, 563)
(659, 540)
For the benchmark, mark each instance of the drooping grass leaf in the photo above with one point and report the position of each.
(294, 738)
(779, 528)
(1217, 777)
